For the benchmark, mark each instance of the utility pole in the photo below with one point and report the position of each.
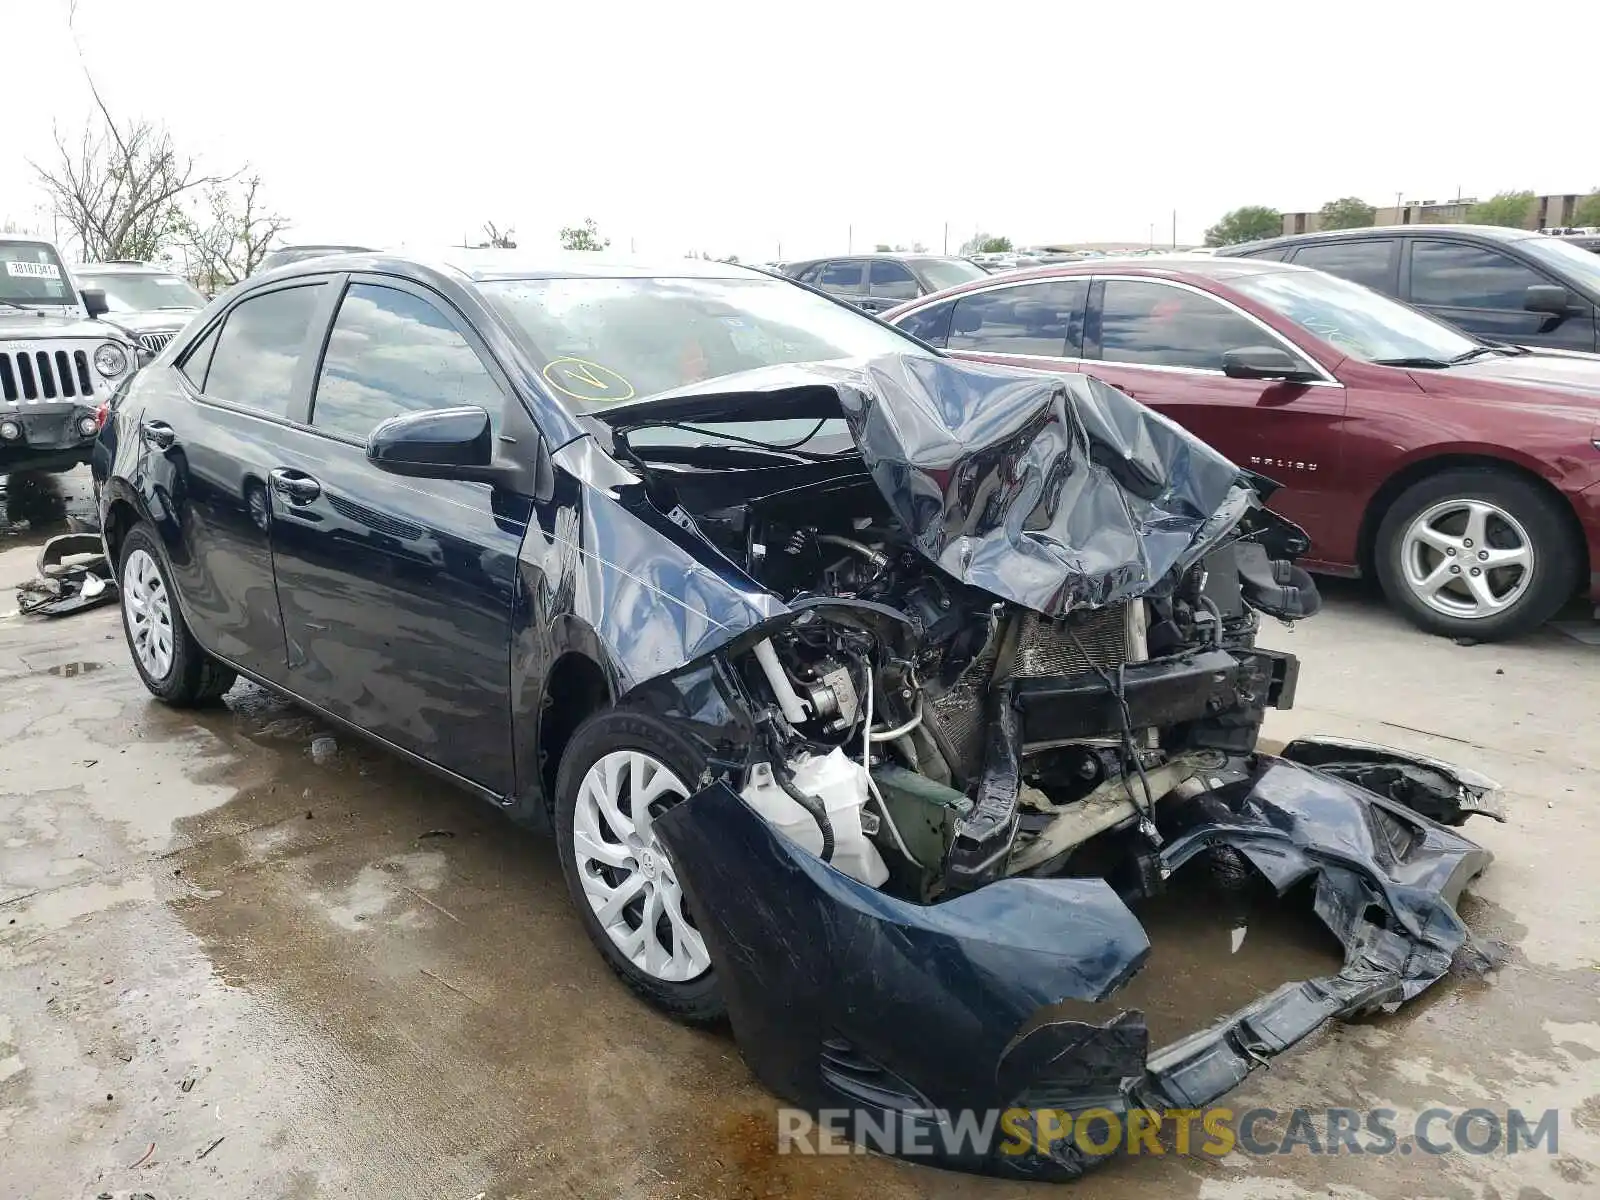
(947, 237)
(850, 239)
(1174, 229)
(1152, 235)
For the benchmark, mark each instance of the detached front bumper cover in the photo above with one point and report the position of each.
(844, 997)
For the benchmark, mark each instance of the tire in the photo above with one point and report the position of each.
(685, 986)
(1424, 538)
(184, 676)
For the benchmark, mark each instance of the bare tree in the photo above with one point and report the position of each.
(499, 239)
(229, 235)
(117, 186)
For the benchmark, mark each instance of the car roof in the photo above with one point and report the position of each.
(481, 265)
(1177, 267)
(1487, 233)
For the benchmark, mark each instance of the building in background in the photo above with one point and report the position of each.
(1548, 212)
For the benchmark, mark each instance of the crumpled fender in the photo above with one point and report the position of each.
(842, 996)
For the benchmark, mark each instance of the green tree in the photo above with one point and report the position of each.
(882, 248)
(1351, 212)
(1588, 210)
(995, 245)
(1504, 208)
(583, 237)
(1245, 224)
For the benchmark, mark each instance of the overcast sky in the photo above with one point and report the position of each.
(734, 128)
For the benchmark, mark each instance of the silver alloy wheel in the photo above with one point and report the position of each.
(149, 611)
(627, 878)
(1467, 558)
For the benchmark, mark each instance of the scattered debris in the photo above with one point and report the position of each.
(323, 750)
(187, 1085)
(74, 575)
(143, 1158)
(210, 1148)
(433, 833)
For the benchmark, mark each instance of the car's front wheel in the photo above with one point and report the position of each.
(171, 663)
(619, 773)
(1476, 553)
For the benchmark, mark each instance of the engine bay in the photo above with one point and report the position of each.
(927, 737)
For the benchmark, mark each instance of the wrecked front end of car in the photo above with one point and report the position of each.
(1008, 687)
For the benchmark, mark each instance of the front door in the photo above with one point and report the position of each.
(397, 593)
(1482, 291)
(1163, 343)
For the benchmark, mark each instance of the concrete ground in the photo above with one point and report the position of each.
(227, 969)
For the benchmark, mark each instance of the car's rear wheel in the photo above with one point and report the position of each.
(620, 772)
(171, 663)
(1476, 553)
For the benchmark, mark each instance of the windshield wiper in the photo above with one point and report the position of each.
(18, 307)
(1420, 362)
(1489, 348)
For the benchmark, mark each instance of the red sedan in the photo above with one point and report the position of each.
(1466, 476)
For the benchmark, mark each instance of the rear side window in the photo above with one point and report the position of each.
(893, 281)
(1158, 325)
(1453, 275)
(1369, 263)
(259, 347)
(1036, 318)
(841, 277)
(931, 324)
(390, 353)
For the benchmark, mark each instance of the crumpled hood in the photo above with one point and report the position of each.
(1054, 492)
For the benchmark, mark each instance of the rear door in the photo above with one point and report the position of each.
(890, 283)
(210, 441)
(1037, 324)
(842, 277)
(1371, 262)
(397, 593)
(1481, 289)
(1163, 342)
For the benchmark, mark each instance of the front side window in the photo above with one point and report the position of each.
(1370, 263)
(840, 277)
(259, 347)
(1357, 320)
(1453, 275)
(892, 280)
(1035, 318)
(1155, 324)
(391, 352)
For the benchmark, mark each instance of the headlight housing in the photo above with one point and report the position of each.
(111, 360)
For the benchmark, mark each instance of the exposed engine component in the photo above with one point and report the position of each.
(841, 786)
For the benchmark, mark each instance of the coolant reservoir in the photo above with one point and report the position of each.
(841, 785)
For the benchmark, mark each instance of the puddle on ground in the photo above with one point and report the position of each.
(69, 670)
(1213, 950)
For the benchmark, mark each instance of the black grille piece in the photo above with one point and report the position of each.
(42, 375)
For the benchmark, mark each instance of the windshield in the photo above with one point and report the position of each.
(31, 273)
(944, 273)
(143, 292)
(1576, 264)
(1357, 320)
(603, 340)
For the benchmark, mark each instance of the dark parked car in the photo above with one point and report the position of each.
(1501, 285)
(879, 282)
(771, 612)
(284, 255)
(149, 304)
(1465, 475)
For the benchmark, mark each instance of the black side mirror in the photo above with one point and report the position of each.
(1265, 362)
(1547, 298)
(458, 443)
(94, 302)
(441, 443)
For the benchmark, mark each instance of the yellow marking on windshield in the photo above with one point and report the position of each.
(585, 380)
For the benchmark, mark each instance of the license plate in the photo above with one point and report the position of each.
(32, 270)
